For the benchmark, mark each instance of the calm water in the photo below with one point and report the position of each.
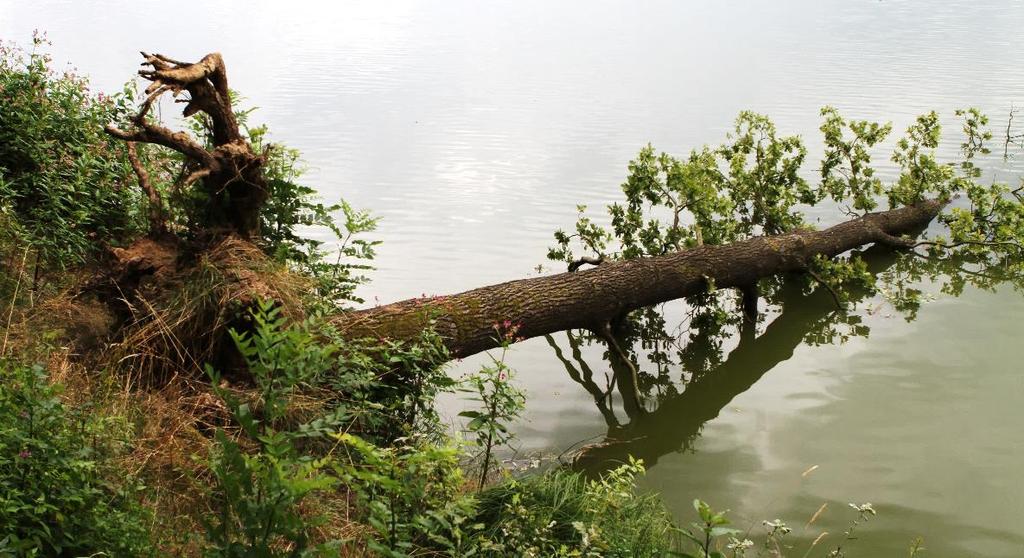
(473, 128)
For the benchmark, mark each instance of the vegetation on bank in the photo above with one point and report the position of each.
(296, 440)
(326, 447)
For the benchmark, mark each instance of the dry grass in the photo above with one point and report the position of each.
(172, 427)
(180, 325)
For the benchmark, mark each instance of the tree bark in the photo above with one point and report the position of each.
(473, 321)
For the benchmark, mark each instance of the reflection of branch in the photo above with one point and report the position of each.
(626, 373)
(585, 378)
(989, 243)
(751, 295)
(955, 267)
(1010, 138)
(679, 419)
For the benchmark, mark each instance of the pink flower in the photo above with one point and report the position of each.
(25, 454)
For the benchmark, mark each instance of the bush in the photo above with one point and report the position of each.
(562, 513)
(259, 492)
(66, 188)
(56, 493)
(410, 496)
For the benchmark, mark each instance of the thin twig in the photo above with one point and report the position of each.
(14, 298)
(971, 243)
(156, 220)
(832, 291)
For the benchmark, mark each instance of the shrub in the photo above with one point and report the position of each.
(66, 188)
(562, 513)
(258, 492)
(409, 494)
(57, 497)
(500, 402)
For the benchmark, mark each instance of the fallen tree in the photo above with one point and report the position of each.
(230, 172)
(744, 227)
(590, 298)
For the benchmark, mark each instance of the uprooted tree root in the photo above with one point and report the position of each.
(176, 319)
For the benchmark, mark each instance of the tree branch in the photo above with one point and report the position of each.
(831, 290)
(231, 172)
(586, 260)
(890, 240)
(207, 84)
(156, 217)
(178, 141)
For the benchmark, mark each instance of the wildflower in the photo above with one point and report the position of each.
(738, 545)
(777, 525)
(864, 508)
(25, 454)
(507, 324)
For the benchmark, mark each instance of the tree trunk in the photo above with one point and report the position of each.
(473, 321)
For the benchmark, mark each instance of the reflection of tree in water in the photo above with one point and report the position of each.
(670, 379)
(663, 414)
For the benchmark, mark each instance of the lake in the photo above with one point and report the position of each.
(472, 129)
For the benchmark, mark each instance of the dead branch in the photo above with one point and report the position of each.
(156, 217)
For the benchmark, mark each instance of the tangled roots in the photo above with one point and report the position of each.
(179, 316)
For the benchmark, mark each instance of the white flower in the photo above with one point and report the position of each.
(864, 508)
(736, 544)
